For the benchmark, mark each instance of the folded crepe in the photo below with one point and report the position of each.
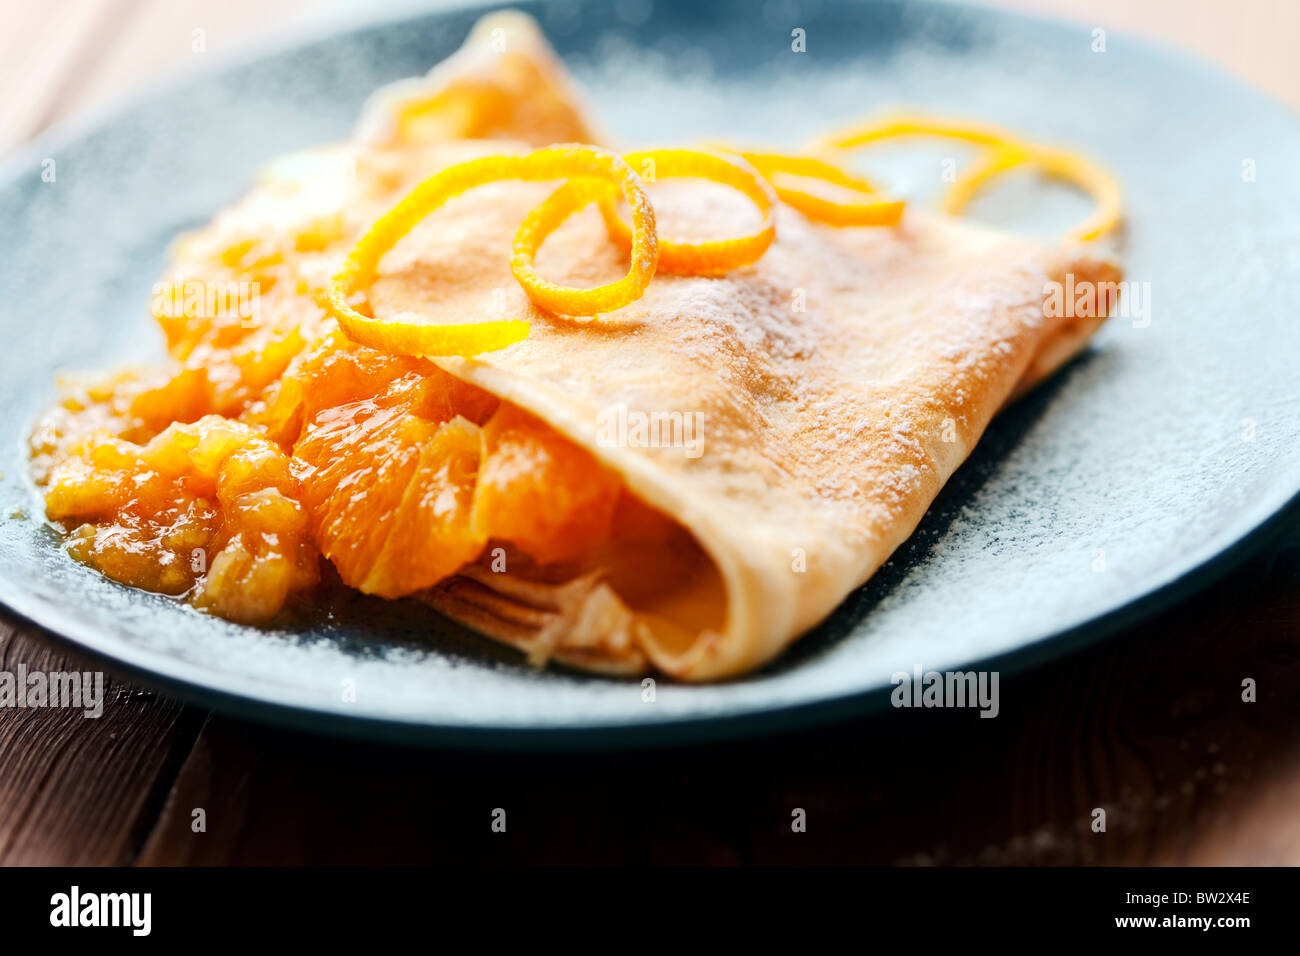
(791, 420)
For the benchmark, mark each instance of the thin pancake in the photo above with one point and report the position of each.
(839, 381)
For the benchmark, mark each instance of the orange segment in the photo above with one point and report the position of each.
(337, 372)
(208, 504)
(355, 464)
(540, 491)
(433, 534)
(389, 480)
(247, 583)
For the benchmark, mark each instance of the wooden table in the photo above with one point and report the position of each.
(1149, 726)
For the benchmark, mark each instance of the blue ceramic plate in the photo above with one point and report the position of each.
(1147, 465)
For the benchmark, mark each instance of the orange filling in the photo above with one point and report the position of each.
(395, 471)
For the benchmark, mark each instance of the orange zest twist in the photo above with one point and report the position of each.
(780, 168)
(894, 127)
(1055, 162)
(1004, 151)
(554, 162)
(704, 256)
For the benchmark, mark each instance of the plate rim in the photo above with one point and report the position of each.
(1250, 534)
(743, 722)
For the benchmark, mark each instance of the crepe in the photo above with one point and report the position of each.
(840, 381)
(826, 433)
(794, 418)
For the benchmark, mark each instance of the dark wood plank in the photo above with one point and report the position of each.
(80, 790)
(1151, 727)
